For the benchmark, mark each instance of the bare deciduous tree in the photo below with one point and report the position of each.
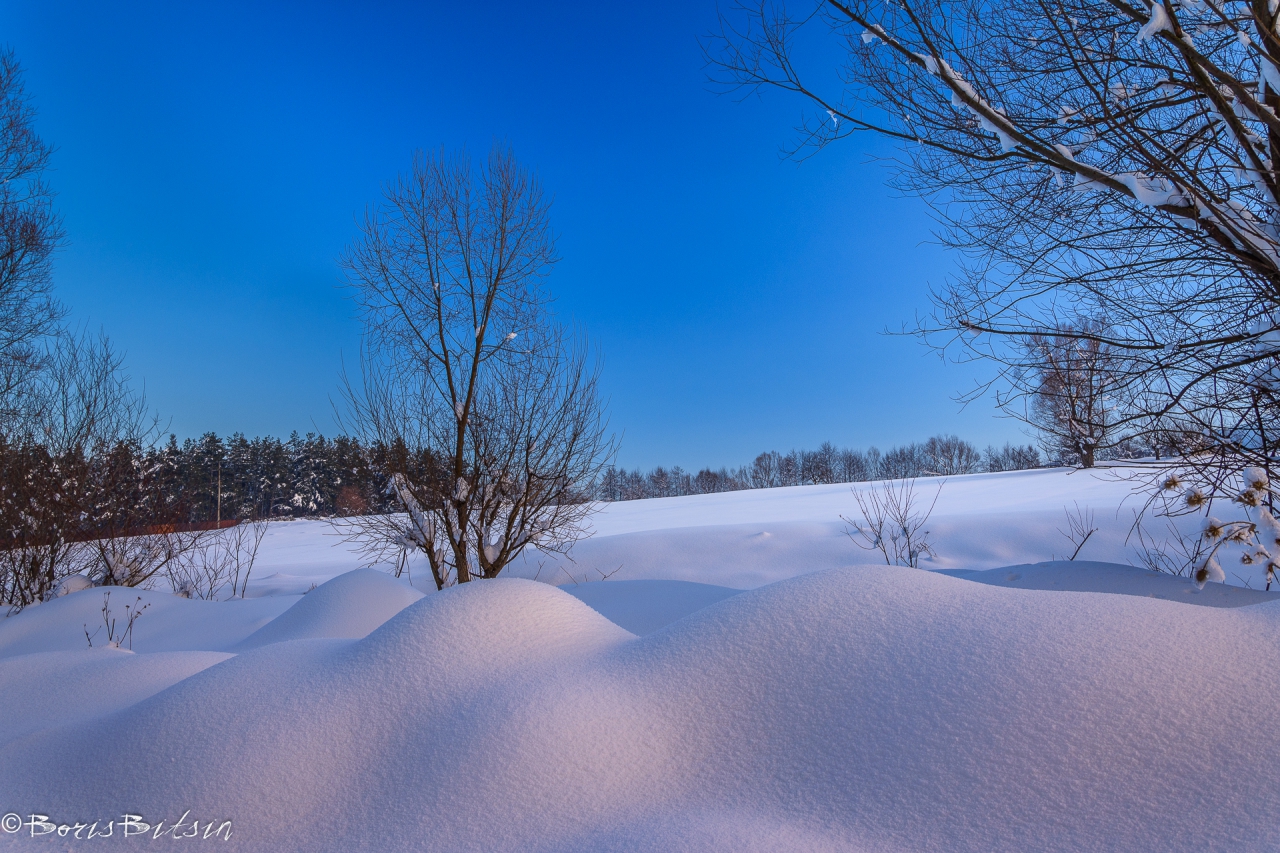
(71, 427)
(29, 233)
(1086, 158)
(70, 483)
(486, 404)
(1011, 457)
(947, 455)
(1075, 400)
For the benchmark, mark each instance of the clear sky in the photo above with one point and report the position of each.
(212, 159)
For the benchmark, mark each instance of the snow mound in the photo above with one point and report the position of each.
(347, 607)
(876, 709)
(70, 584)
(1083, 576)
(42, 691)
(643, 607)
(169, 623)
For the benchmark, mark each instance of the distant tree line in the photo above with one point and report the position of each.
(201, 479)
(237, 477)
(940, 456)
(104, 501)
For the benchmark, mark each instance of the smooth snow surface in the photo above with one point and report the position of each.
(860, 709)
(750, 538)
(168, 624)
(998, 701)
(51, 689)
(643, 607)
(1082, 576)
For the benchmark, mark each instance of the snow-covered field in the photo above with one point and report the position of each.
(748, 539)
(746, 679)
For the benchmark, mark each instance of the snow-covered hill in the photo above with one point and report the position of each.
(750, 538)
(988, 705)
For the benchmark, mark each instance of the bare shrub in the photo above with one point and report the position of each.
(1253, 532)
(136, 560)
(1173, 553)
(222, 560)
(351, 501)
(72, 475)
(37, 523)
(892, 523)
(116, 638)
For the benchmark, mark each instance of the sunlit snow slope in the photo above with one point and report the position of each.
(996, 703)
(750, 538)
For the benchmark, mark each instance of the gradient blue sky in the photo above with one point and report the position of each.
(212, 158)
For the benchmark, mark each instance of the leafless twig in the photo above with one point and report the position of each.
(1079, 528)
(891, 523)
(132, 612)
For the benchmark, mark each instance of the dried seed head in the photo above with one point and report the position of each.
(1242, 532)
(1257, 554)
(1209, 571)
(1250, 497)
(1195, 498)
(1256, 479)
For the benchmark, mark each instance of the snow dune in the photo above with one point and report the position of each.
(999, 702)
(850, 709)
(643, 607)
(53, 689)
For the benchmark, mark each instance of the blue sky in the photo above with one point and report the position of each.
(212, 159)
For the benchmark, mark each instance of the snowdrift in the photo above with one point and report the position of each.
(347, 607)
(1113, 579)
(854, 709)
(52, 689)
